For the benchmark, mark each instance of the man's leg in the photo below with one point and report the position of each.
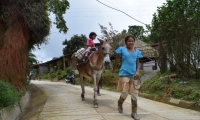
(134, 98)
(121, 100)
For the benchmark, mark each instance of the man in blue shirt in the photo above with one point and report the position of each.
(130, 66)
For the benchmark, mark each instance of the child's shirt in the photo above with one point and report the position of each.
(90, 42)
(129, 61)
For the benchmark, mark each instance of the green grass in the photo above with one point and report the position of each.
(8, 95)
(176, 87)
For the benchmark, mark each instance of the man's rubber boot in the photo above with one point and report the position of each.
(134, 110)
(120, 102)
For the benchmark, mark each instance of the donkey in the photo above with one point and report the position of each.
(94, 67)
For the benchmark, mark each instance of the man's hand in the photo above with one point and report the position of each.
(137, 74)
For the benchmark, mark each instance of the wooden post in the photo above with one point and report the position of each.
(156, 67)
(142, 66)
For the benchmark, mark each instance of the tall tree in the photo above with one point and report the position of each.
(176, 26)
(25, 24)
(75, 43)
(137, 31)
(140, 33)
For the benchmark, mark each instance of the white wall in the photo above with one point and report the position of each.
(148, 66)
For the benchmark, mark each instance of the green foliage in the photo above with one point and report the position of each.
(110, 79)
(45, 76)
(31, 58)
(33, 15)
(176, 87)
(75, 43)
(68, 69)
(56, 74)
(140, 33)
(60, 65)
(58, 7)
(8, 95)
(63, 73)
(53, 73)
(136, 31)
(176, 27)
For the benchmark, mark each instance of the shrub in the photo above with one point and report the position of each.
(109, 78)
(53, 73)
(67, 70)
(45, 76)
(176, 87)
(8, 95)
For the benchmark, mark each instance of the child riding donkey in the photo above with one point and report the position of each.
(90, 43)
(82, 54)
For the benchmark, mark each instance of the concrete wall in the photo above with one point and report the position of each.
(12, 113)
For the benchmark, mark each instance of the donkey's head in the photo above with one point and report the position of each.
(106, 49)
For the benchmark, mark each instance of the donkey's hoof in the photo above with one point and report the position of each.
(96, 106)
(83, 97)
(95, 103)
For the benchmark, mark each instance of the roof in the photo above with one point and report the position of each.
(54, 59)
(146, 49)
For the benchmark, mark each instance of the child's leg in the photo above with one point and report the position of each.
(86, 54)
(87, 51)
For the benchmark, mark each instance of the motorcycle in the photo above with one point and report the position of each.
(31, 76)
(70, 78)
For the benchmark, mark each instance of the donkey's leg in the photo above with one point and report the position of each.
(99, 82)
(83, 88)
(84, 81)
(95, 103)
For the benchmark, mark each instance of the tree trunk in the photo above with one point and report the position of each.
(162, 59)
(13, 53)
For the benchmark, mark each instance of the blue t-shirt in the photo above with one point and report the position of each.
(128, 67)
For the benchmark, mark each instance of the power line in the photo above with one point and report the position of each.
(117, 7)
(112, 4)
(122, 12)
(104, 11)
(106, 16)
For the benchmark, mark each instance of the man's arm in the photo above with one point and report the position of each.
(137, 74)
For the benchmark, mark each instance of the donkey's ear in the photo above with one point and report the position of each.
(100, 40)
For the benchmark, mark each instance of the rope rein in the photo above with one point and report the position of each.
(138, 83)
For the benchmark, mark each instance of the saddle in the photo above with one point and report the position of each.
(85, 59)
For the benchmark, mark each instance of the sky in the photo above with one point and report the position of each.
(84, 16)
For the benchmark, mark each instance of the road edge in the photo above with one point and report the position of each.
(13, 111)
(172, 101)
(37, 101)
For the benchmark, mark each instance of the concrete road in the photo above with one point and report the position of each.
(64, 103)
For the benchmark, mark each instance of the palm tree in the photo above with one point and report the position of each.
(31, 58)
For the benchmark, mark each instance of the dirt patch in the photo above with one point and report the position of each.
(37, 102)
